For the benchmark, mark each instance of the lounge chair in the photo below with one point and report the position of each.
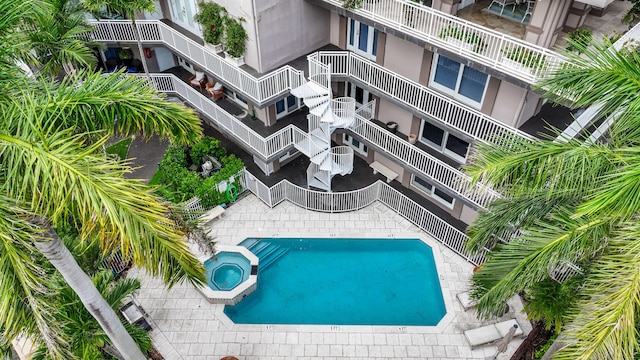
(198, 80)
(490, 333)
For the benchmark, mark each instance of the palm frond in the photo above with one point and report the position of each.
(605, 324)
(23, 284)
(122, 213)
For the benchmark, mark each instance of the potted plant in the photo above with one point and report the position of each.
(579, 39)
(462, 38)
(212, 18)
(523, 60)
(351, 4)
(235, 39)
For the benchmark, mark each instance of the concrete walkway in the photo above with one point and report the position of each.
(186, 326)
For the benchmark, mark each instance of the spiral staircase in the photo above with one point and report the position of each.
(325, 115)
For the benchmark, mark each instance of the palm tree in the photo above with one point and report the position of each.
(571, 203)
(54, 174)
(86, 339)
(58, 37)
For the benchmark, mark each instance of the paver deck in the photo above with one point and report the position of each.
(186, 326)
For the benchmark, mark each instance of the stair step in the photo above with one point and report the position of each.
(317, 133)
(266, 251)
(309, 89)
(316, 101)
(255, 248)
(327, 163)
(318, 184)
(273, 257)
(311, 148)
(320, 157)
(249, 242)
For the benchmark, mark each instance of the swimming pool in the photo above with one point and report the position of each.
(227, 270)
(343, 282)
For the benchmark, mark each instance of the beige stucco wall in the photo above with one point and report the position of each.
(334, 29)
(403, 57)
(508, 103)
(546, 22)
(287, 30)
(467, 215)
(388, 112)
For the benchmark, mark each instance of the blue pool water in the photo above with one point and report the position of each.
(343, 282)
(227, 271)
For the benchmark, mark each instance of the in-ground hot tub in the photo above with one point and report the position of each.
(231, 275)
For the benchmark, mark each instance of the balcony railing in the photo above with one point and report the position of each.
(259, 90)
(266, 147)
(465, 119)
(336, 202)
(427, 165)
(483, 45)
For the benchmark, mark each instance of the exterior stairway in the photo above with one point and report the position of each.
(325, 115)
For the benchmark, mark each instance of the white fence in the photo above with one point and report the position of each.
(336, 202)
(482, 45)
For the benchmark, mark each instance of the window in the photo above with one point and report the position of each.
(286, 106)
(361, 95)
(362, 39)
(435, 193)
(462, 82)
(230, 94)
(355, 144)
(443, 141)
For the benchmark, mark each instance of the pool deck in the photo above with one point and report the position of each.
(186, 326)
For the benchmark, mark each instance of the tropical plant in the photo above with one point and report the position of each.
(86, 338)
(55, 174)
(59, 38)
(527, 58)
(571, 202)
(455, 32)
(580, 38)
(351, 4)
(212, 18)
(235, 37)
(633, 14)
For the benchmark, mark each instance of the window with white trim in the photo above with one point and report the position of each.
(362, 39)
(443, 141)
(432, 191)
(232, 95)
(362, 95)
(286, 106)
(356, 145)
(463, 83)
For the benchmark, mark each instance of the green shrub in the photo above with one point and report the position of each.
(235, 37)
(539, 352)
(462, 35)
(211, 16)
(178, 183)
(579, 39)
(208, 146)
(527, 57)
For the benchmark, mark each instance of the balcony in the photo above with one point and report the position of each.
(605, 25)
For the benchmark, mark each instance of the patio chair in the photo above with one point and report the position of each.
(216, 91)
(198, 80)
(503, 4)
(491, 333)
(530, 5)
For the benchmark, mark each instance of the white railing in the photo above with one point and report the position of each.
(342, 157)
(419, 160)
(426, 164)
(259, 90)
(336, 202)
(482, 45)
(266, 147)
(433, 104)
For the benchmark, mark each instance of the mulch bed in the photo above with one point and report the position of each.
(536, 338)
